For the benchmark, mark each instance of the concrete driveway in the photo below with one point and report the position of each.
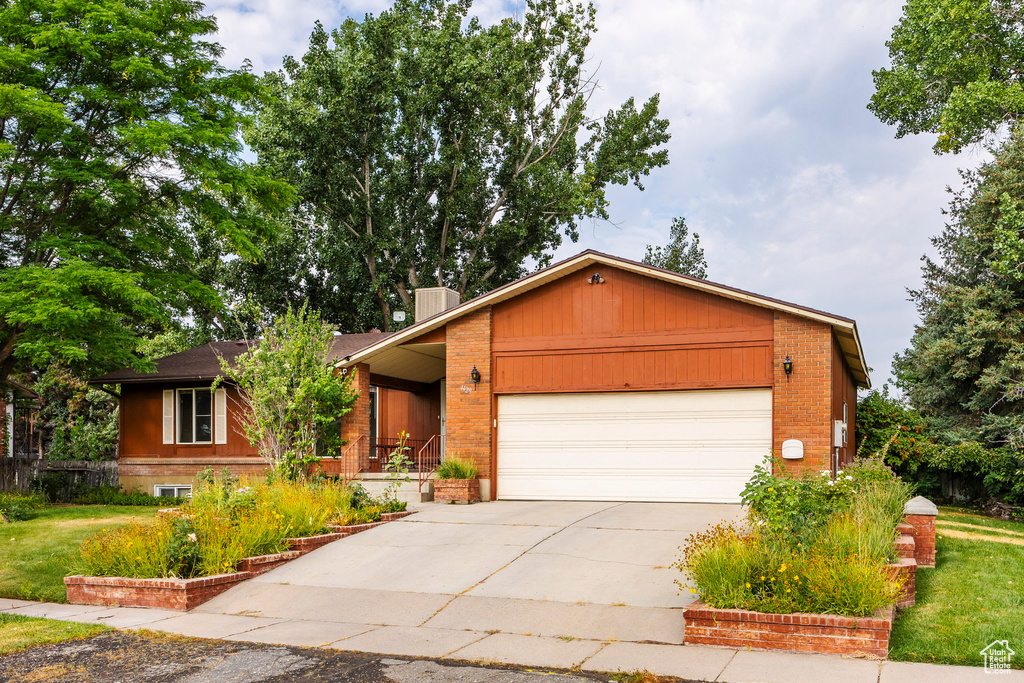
(573, 570)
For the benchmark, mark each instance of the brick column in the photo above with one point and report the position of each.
(802, 402)
(468, 405)
(357, 422)
(920, 513)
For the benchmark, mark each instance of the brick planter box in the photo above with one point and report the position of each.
(264, 563)
(392, 516)
(457, 490)
(184, 594)
(825, 633)
(176, 594)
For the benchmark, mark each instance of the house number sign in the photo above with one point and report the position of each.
(466, 389)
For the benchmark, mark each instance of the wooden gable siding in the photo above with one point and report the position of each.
(844, 388)
(630, 332)
(142, 425)
(419, 414)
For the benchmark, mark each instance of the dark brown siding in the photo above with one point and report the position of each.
(631, 332)
(844, 388)
(417, 414)
(142, 426)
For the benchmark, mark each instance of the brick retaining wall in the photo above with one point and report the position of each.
(825, 633)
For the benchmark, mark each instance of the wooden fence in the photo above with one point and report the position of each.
(17, 473)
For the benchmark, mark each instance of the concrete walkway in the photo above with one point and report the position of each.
(690, 662)
(547, 584)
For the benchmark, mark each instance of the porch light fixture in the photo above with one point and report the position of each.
(787, 365)
(475, 375)
(596, 279)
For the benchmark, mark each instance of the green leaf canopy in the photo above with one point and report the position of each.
(430, 150)
(118, 153)
(956, 70)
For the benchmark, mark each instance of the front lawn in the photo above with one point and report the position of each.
(975, 594)
(31, 551)
(18, 633)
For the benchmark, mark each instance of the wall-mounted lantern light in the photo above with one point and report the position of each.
(787, 365)
(475, 375)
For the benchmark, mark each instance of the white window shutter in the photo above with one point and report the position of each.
(168, 415)
(220, 422)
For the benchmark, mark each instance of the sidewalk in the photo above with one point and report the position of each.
(691, 662)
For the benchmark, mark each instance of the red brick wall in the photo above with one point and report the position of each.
(924, 538)
(825, 633)
(357, 422)
(802, 402)
(469, 419)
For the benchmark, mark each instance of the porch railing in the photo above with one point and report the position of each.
(382, 447)
(345, 466)
(428, 458)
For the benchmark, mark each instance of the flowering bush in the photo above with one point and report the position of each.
(812, 544)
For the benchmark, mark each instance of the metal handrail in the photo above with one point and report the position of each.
(346, 476)
(428, 458)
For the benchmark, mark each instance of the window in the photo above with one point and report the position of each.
(172, 491)
(195, 416)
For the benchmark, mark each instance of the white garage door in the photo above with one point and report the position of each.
(650, 446)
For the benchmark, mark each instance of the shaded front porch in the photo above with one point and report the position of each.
(400, 411)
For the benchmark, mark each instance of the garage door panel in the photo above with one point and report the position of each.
(658, 446)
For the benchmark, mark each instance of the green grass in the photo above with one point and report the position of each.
(18, 633)
(31, 552)
(975, 595)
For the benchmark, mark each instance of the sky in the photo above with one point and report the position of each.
(797, 191)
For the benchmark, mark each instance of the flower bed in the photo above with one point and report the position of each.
(184, 594)
(225, 530)
(816, 551)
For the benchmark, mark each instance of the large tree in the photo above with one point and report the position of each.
(964, 369)
(119, 166)
(957, 70)
(431, 150)
(682, 254)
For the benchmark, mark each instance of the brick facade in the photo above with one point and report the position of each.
(145, 473)
(357, 423)
(469, 415)
(802, 402)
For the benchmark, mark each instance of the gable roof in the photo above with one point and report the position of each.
(19, 390)
(844, 328)
(203, 362)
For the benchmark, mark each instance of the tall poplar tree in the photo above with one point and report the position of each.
(431, 150)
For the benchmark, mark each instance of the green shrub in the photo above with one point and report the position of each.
(455, 467)
(17, 507)
(814, 544)
(111, 495)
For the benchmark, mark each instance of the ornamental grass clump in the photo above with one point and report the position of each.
(455, 467)
(226, 520)
(811, 544)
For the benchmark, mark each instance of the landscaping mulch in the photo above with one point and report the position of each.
(137, 657)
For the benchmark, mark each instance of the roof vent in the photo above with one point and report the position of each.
(433, 300)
